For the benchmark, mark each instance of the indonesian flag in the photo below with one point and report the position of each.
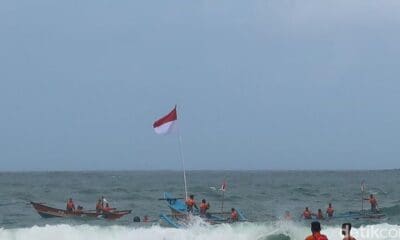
(166, 124)
(223, 186)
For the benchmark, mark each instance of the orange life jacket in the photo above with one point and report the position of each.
(203, 208)
(70, 205)
(317, 236)
(373, 201)
(234, 216)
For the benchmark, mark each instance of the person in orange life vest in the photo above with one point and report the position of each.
(234, 215)
(191, 203)
(204, 206)
(316, 232)
(99, 206)
(346, 228)
(330, 210)
(107, 208)
(70, 206)
(320, 215)
(374, 203)
(307, 214)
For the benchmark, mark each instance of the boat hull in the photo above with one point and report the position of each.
(50, 212)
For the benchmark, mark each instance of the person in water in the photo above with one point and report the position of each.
(234, 215)
(204, 206)
(99, 206)
(330, 210)
(320, 215)
(316, 232)
(191, 203)
(287, 216)
(346, 228)
(307, 214)
(70, 206)
(374, 203)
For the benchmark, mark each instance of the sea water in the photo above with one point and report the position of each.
(263, 196)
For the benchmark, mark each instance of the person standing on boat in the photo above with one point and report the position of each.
(374, 203)
(330, 210)
(99, 206)
(191, 204)
(70, 206)
(316, 232)
(234, 215)
(346, 228)
(204, 206)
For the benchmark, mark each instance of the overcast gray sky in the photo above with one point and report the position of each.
(259, 84)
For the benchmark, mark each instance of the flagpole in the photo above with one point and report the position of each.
(183, 165)
(222, 204)
(223, 188)
(362, 196)
(183, 161)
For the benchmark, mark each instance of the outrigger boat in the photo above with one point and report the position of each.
(180, 217)
(50, 212)
(363, 215)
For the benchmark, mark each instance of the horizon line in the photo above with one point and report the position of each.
(199, 170)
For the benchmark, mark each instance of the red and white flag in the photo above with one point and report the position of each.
(166, 124)
(223, 186)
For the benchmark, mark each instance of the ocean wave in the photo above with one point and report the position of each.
(245, 231)
(392, 210)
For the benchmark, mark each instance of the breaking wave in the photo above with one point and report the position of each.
(245, 231)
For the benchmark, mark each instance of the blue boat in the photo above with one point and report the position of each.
(180, 217)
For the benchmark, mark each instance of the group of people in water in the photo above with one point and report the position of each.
(308, 214)
(100, 206)
(317, 235)
(346, 227)
(205, 206)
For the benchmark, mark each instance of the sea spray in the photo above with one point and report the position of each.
(245, 231)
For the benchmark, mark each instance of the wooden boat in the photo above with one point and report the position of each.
(179, 216)
(50, 212)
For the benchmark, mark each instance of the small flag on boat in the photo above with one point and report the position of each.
(166, 124)
(223, 186)
(363, 186)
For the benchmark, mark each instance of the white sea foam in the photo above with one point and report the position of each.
(246, 231)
